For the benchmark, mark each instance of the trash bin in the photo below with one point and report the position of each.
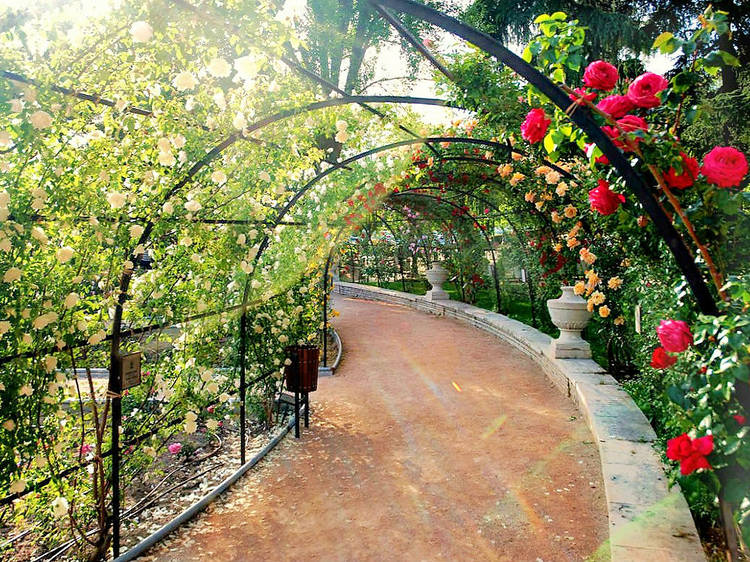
(302, 374)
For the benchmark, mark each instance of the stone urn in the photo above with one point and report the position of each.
(436, 276)
(569, 314)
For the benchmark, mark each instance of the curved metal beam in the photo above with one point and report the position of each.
(584, 120)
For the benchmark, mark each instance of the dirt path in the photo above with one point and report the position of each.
(434, 441)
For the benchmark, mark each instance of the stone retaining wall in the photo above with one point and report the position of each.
(647, 521)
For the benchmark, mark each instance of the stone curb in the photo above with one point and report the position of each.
(647, 520)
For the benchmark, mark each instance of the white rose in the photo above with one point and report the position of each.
(248, 66)
(19, 485)
(239, 122)
(178, 141)
(136, 230)
(164, 144)
(4, 139)
(219, 68)
(71, 300)
(342, 136)
(141, 32)
(98, 337)
(212, 425)
(241, 239)
(16, 105)
(218, 177)
(116, 200)
(184, 81)
(167, 208)
(4, 198)
(65, 254)
(40, 119)
(4, 328)
(191, 427)
(39, 234)
(220, 100)
(193, 206)
(167, 158)
(212, 387)
(60, 507)
(26, 390)
(265, 176)
(13, 274)
(341, 125)
(50, 364)
(223, 397)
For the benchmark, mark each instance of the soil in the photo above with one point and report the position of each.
(433, 440)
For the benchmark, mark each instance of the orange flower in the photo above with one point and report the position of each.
(570, 211)
(614, 283)
(604, 311)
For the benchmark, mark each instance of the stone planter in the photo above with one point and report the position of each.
(436, 276)
(569, 314)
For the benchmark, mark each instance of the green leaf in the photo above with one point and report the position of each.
(729, 59)
(661, 39)
(559, 75)
(549, 142)
(542, 17)
(526, 55)
(560, 16)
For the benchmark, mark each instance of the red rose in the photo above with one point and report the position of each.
(690, 452)
(616, 106)
(535, 125)
(642, 92)
(603, 200)
(740, 419)
(589, 148)
(629, 124)
(580, 95)
(724, 166)
(600, 75)
(690, 169)
(660, 359)
(674, 335)
(680, 447)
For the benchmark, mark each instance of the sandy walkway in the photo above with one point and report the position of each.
(433, 441)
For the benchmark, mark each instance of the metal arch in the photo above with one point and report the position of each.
(582, 118)
(407, 142)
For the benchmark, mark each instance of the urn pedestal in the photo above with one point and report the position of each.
(436, 276)
(569, 314)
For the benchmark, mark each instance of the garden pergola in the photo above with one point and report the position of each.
(283, 213)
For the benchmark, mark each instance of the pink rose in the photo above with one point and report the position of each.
(688, 175)
(175, 448)
(660, 359)
(616, 106)
(674, 335)
(604, 200)
(629, 124)
(581, 95)
(600, 75)
(724, 166)
(642, 92)
(535, 125)
(86, 449)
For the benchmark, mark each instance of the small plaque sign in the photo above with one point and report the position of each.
(130, 369)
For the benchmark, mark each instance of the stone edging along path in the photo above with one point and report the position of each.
(647, 520)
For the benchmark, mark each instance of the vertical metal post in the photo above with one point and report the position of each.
(325, 309)
(116, 422)
(307, 409)
(296, 414)
(115, 391)
(243, 384)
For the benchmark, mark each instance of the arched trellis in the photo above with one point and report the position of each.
(582, 118)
